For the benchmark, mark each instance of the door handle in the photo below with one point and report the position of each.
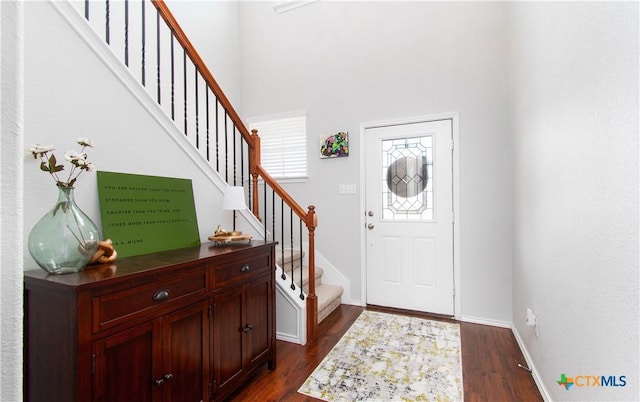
(370, 226)
(370, 213)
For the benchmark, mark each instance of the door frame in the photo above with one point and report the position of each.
(453, 116)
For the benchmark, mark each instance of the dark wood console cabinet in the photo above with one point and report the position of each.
(182, 325)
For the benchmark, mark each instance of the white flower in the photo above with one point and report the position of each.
(49, 162)
(77, 159)
(72, 156)
(38, 150)
(85, 142)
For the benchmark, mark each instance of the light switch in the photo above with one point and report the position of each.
(347, 189)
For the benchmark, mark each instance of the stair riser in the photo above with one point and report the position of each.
(322, 314)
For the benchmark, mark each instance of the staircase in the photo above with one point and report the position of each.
(291, 263)
(179, 84)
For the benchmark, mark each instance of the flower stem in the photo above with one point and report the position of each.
(74, 235)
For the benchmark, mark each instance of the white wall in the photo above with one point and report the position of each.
(212, 28)
(71, 93)
(574, 123)
(346, 63)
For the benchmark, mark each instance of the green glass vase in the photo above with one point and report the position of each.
(64, 240)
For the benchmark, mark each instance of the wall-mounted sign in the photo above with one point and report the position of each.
(146, 214)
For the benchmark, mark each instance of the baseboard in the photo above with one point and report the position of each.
(530, 365)
(289, 338)
(528, 361)
(484, 321)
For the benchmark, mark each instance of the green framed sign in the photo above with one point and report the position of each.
(146, 214)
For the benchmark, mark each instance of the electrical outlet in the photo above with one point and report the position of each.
(531, 318)
(532, 321)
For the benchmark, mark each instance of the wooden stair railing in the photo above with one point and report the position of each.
(192, 120)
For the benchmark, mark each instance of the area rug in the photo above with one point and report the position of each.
(389, 357)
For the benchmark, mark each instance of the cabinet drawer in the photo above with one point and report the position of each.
(128, 304)
(238, 270)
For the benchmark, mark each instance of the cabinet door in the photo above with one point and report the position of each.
(125, 365)
(163, 360)
(228, 336)
(185, 341)
(259, 308)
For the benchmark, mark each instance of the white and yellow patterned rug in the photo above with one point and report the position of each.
(388, 357)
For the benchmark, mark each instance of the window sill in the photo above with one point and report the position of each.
(287, 180)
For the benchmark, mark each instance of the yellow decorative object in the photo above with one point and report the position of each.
(222, 237)
(220, 232)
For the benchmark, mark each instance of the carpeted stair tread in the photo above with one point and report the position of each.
(305, 276)
(296, 257)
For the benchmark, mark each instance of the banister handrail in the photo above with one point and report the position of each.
(297, 209)
(172, 23)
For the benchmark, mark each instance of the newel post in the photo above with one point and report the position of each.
(312, 300)
(254, 162)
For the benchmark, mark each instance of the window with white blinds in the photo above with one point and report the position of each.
(283, 141)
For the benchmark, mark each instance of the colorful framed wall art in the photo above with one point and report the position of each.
(334, 145)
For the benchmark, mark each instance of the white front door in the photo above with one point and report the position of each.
(409, 216)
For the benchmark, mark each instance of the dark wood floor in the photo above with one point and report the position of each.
(490, 358)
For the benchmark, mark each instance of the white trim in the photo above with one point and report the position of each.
(484, 321)
(457, 270)
(291, 312)
(285, 180)
(453, 116)
(288, 5)
(529, 361)
(275, 116)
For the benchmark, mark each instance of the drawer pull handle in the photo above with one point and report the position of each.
(161, 294)
(248, 328)
(245, 268)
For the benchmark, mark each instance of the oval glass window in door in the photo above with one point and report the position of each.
(407, 169)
